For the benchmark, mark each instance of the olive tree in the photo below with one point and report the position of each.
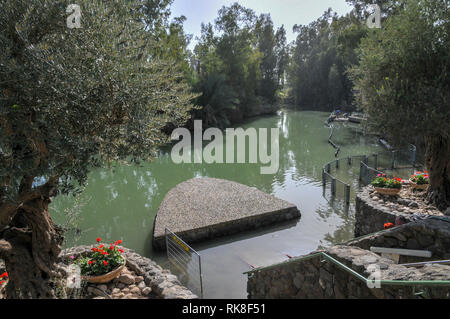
(403, 82)
(72, 99)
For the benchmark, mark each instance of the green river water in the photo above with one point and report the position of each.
(121, 202)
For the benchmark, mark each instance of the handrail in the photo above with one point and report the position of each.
(326, 172)
(356, 274)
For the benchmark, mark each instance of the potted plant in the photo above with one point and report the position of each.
(3, 281)
(387, 186)
(419, 180)
(102, 264)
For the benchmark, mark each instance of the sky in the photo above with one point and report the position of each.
(287, 12)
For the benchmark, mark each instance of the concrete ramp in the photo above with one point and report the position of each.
(205, 208)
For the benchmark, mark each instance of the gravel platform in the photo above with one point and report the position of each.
(205, 208)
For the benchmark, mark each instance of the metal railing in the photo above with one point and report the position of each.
(367, 173)
(186, 261)
(401, 158)
(368, 168)
(326, 175)
(355, 274)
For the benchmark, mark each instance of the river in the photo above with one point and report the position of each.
(121, 202)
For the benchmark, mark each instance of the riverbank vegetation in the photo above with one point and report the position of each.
(403, 85)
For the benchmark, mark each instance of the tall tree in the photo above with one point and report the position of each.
(266, 45)
(404, 85)
(282, 55)
(316, 65)
(71, 100)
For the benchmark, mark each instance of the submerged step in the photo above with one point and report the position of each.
(205, 208)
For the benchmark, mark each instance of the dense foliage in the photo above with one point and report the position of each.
(403, 84)
(71, 100)
(75, 99)
(244, 62)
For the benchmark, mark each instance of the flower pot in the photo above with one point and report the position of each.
(103, 279)
(388, 191)
(417, 186)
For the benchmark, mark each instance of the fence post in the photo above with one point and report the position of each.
(347, 194)
(324, 178)
(361, 165)
(328, 168)
(333, 186)
(414, 154)
(337, 163)
(393, 160)
(367, 175)
(349, 160)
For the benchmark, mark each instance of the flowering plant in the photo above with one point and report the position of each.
(382, 182)
(388, 225)
(420, 178)
(101, 260)
(3, 279)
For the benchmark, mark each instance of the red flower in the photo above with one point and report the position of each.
(388, 225)
(90, 262)
(99, 239)
(111, 247)
(118, 242)
(5, 274)
(120, 250)
(94, 249)
(105, 262)
(101, 246)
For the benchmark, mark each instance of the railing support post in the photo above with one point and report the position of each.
(328, 168)
(333, 186)
(324, 178)
(349, 161)
(337, 163)
(361, 166)
(347, 194)
(393, 160)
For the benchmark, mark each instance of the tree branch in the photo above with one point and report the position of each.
(8, 210)
(5, 248)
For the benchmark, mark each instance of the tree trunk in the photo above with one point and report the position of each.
(438, 163)
(30, 247)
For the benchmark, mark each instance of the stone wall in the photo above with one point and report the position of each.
(429, 234)
(374, 210)
(314, 278)
(164, 285)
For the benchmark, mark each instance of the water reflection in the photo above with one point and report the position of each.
(125, 200)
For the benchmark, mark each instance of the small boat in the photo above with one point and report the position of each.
(354, 119)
